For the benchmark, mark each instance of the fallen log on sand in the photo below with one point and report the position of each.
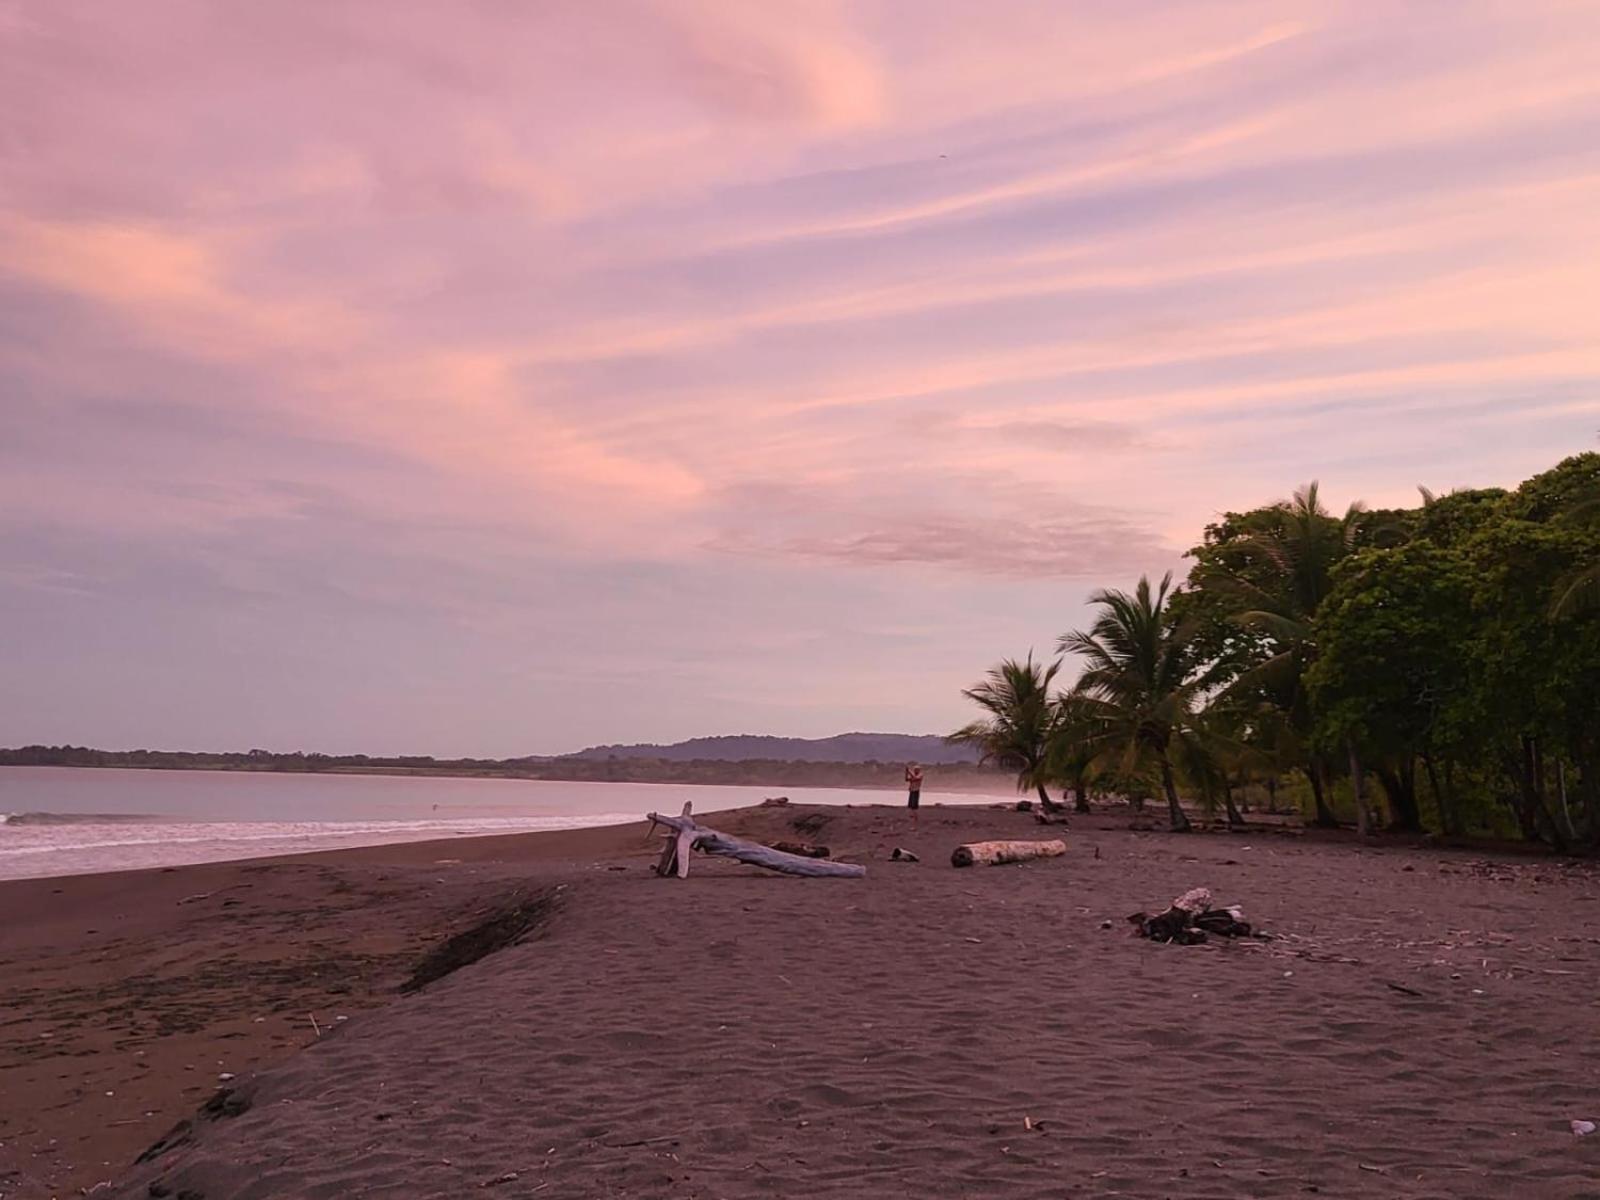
(688, 836)
(990, 854)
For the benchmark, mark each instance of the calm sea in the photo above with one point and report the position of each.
(67, 821)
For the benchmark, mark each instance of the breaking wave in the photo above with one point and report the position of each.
(59, 818)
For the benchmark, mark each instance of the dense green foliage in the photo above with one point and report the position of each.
(1448, 653)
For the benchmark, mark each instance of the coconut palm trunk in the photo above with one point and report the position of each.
(1235, 817)
(1325, 817)
(1175, 814)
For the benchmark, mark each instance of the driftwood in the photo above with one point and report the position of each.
(687, 836)
(989, 854)
(1190, 918)
(803, 849)
(1052, 818)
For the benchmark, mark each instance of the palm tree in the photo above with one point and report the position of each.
(1272, 746)
(1285, 575)
(1215, 754)
(1019, 722)
(1072, 759)
(1139, 682)
(1580, 593)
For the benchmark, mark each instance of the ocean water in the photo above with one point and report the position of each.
(71, 821)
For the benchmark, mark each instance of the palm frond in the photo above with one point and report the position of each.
(1579, 594)
(1286, 631)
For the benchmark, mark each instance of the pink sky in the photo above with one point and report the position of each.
(499, 378)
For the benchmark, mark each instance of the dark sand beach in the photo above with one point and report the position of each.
(1421, 1023)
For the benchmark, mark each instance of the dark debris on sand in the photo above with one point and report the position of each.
(1190, 919)
(505, 925)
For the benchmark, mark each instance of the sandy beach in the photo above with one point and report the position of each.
(1419, 1023)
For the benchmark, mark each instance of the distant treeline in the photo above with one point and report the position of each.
(751, 772)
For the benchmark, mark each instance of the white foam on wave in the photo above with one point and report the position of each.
(77, 818)
(36, 849)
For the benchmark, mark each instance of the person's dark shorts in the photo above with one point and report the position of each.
(913, 799)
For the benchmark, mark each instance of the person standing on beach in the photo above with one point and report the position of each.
(913, 790)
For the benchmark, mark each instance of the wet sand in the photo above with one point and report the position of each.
(1421, 1023)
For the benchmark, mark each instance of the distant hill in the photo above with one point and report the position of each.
(842, 748)
(705, 761)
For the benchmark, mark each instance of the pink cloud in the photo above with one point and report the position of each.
(428, 309)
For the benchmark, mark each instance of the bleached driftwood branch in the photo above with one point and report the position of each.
(989, 854)
(689, 836)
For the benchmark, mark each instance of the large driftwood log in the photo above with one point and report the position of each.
(687, 836)
(989, 854)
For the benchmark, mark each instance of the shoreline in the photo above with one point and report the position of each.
(180, 842)
(67, 832)
(968, 779)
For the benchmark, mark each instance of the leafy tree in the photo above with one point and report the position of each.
(1390, 655)
(1450, 520)
(1536, 679)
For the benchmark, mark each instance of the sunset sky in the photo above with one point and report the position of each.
(498, 378)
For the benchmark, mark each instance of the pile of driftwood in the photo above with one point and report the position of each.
(1049, 812)
(1190, 918)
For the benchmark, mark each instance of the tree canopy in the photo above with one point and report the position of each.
(1450, 650)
